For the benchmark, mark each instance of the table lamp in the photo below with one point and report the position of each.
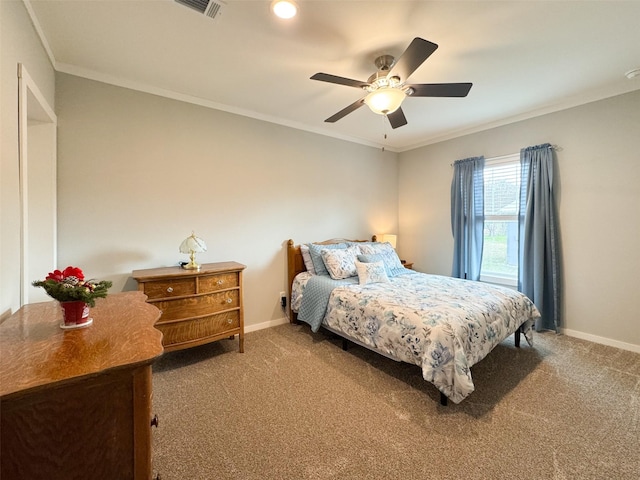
(192, 245)
(388, 237)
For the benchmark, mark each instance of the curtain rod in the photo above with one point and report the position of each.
(555, 147)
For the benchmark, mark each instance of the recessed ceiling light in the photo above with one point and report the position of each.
(284, 8)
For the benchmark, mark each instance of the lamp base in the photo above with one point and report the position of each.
(191, 266)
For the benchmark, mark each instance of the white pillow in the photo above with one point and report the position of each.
(340, 263)
(306, 257)
(373, 272)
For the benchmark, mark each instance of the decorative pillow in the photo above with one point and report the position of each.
(370, 248)
(306, 257)
(366, 245)
(392, 264)
(371, 258)
(316, 256)
(373, 272)
(340, 262)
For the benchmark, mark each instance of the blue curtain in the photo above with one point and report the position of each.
(467, 217)
(538, 275)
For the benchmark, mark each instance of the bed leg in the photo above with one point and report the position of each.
(443, 399)
(517, 338)
(345, 344)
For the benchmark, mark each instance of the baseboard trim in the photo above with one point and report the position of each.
(601, 340)
(263, 325)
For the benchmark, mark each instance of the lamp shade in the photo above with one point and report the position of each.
(385, 100)
(193, 244)
(389, 237)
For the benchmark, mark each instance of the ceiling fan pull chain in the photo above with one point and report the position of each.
(384, 129)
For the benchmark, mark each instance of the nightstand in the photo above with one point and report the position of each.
(406, 264)
(198, 306)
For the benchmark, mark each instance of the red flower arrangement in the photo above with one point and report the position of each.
(69, 285)
(59, 276)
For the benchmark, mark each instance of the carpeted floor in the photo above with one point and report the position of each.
(296, 406)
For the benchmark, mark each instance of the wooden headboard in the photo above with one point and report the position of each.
(295, 265)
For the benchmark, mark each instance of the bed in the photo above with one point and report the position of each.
(444, 325)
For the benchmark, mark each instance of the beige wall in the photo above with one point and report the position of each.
(137, 173)
(18, 44)
(598, 203)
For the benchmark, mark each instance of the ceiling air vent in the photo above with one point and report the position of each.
(210, 8)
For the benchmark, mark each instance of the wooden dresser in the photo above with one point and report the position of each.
(198, 306)
(77, 404)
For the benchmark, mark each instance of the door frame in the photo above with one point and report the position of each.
(33, 108)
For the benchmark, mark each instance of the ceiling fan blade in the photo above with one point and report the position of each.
(325, 77)
(397, 118)
(416, 53)
(345, 111)
(440, 89)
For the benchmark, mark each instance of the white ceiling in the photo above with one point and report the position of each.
(524, 58)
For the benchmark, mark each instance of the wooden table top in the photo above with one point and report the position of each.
(35, 352)
(205, 268)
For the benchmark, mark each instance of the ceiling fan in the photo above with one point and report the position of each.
(387, 88)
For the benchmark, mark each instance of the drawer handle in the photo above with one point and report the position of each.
(229, 300)
(155, 421)
(170, 289)
(229, 321)
(220, 282)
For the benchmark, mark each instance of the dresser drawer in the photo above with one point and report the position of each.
(170, 288)
(200, 328)
(197, 305)
(212, 283)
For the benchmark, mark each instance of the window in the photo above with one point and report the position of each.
(501, 196)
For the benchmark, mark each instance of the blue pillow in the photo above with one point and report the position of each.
(316, 256)
(391, 263)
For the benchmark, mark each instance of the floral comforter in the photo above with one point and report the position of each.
(442, 324)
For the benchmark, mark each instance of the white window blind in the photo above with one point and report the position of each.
(501, 195)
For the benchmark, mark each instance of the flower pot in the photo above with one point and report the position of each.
(75, 315)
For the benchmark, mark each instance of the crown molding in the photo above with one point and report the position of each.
(182, 97)
(565, 104)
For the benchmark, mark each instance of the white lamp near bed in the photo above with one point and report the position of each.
(388, 237)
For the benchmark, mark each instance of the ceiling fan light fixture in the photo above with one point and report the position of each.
(384, 101)
(284, 8)
(387, 88)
